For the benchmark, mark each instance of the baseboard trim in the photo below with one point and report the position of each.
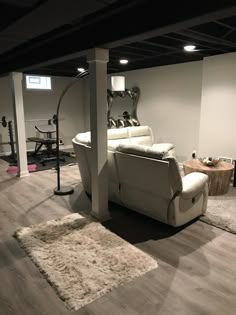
(4, 153)
(68, 146)
(23, 174)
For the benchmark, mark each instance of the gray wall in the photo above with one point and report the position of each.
(191, 105)
(218, 107)
(42, 104)
(6, 109)
(170, 103)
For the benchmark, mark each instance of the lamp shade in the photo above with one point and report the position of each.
(118, 83)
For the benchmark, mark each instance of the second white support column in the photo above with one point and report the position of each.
(18, 104)
(97, 59)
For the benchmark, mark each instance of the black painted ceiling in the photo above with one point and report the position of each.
(36, 35)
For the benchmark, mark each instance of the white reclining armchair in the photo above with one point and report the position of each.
(152, 184)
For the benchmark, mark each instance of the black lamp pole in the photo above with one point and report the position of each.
(63, 190)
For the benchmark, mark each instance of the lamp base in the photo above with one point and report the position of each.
(64, 190)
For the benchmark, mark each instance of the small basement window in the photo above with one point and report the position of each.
(38, 82)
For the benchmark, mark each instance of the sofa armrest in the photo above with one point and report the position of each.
(193, 183)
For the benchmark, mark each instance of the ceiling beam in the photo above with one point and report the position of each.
(206, 38)
(158, 45)
(225, 25)
(173, 28)
(77, 40)
(184, 41)
(17, 10)
(142, 49)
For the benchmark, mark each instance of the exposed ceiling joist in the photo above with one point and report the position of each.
(171, 28)
(206, 38)
(120, 27)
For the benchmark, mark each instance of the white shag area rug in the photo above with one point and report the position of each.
(82, 260)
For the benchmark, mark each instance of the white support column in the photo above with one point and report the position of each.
(19, 118)
(97, 59)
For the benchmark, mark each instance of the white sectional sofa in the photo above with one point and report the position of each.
(145, 177)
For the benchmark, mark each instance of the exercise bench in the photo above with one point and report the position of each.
(47, 141)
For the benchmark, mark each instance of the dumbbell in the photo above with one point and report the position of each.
(4, 121)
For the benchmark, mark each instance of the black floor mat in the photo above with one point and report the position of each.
(68, 157)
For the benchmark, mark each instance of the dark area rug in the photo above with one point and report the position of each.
(35, 161)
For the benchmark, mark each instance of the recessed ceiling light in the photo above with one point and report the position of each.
(124, 61)
(189, 48)
(80, 69)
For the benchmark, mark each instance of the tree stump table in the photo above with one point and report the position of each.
(218, 176)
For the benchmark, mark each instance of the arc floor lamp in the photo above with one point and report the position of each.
(63, 190)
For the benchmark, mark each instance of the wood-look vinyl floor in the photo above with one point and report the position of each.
(197, 263)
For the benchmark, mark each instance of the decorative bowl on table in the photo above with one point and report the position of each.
(209, 161)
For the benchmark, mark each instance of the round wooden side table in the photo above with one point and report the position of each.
(218, 176)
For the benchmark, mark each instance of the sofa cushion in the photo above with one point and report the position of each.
(141, 150)
(140, 135)
(139, 131)
(163, 147)
(133, 135)
(120, 133)
(142, 140)
(113, 144)
(136, 135)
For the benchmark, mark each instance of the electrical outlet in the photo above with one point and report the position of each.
(194, 154)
